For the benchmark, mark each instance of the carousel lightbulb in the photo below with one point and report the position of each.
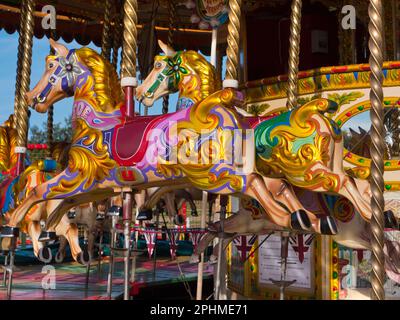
(194, 18)
(190, 4)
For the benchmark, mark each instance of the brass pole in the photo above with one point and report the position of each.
(22, 114)
(106, 39)
(129, 83)
(170, 42)
(294, 54)
(128, 69)
(50, 113)
(375, 27)
(19, 61)
(232, 51)
(117, 39)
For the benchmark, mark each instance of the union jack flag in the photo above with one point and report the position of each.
(150, 237)
(244, 244)
(301, 244)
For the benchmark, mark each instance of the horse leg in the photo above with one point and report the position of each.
(155, 197)
(169, 199)
(70, 232)
(283, 192)
(34, 230)
(257, 189)
(203, 244)
(61, 250)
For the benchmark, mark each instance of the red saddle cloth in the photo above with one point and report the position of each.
(129, 142)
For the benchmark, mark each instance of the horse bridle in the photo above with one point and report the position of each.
(67, 71)
(172, 71)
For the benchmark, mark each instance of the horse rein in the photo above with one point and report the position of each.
(67, 67)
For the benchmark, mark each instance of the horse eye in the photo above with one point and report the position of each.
(51, 65)
(157, 65)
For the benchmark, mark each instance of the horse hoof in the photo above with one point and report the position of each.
(9, 232)
(194, 258)
(145, 214)
(328, 226)
(59, 258)
(71, 214)
(114, 211)
(84, 257)
(390, 220)
(47, 236)
(45, 255)
(299, 220)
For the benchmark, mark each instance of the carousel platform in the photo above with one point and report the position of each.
(70, 281)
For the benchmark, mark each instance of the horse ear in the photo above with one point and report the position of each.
(60, 49)
(169, 52)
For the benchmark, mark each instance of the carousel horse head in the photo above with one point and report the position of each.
(185, 71)
(67, 71)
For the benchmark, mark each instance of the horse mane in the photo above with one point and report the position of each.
(107, 86)
(210, 79)
(8, 141)
(60, 152)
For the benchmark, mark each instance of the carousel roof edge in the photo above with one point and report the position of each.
(319, 72)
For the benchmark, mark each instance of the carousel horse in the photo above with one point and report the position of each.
(93, 219)
(353, 231)
(111, 151)
(35, 174)
(172, 201)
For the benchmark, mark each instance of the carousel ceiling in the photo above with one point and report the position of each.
(82, 20)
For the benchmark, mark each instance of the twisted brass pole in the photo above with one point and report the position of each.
(50, 112)
(50, 130)
(294, 52)
(375, 27)
(129, 39)
(22, 115)
(107, 34)
(170, 42)
(19, 61)
(116, 39)
(233, 40)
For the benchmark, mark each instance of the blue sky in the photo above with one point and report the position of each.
(8, 66)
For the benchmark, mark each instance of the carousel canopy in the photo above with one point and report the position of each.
(81, 20)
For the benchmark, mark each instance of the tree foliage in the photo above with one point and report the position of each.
(61, 132)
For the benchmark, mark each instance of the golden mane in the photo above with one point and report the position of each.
(8, 141)
(210, 79)
(107, 86)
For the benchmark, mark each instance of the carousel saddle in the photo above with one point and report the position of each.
(129, 140)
